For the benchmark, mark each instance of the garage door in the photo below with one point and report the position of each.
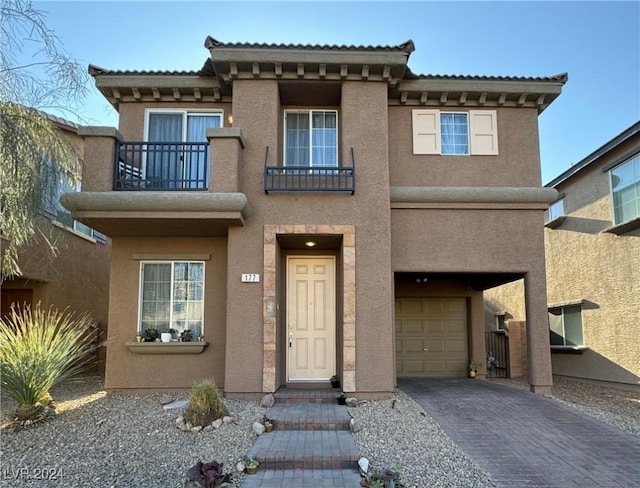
(431, 337)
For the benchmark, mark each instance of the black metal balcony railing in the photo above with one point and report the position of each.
(155, 166)
(309, 178)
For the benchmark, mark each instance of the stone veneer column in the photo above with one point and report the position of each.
(349, 291)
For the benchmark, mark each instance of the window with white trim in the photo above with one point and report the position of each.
(455, 133)
(500, 321)
(311, 138)
(625, 190)
(565, 326)
(55, 184)
(172, 296)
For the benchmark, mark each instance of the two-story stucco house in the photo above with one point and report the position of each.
(592, 241)
(75, 274)
(312, 210)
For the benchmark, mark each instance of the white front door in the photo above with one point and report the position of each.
(311, 318)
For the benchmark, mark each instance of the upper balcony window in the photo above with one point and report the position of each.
(625, 189)
(455, 133)
(311, 138)
(181, 159)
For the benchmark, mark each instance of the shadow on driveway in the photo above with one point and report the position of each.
(521, 439)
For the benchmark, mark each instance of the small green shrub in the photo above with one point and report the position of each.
(39, 349)
(205, 404)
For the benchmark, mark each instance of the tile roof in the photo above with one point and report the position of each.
(206, 70)
(210, 42)
(409, 75)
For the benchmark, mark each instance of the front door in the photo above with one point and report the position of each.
(311, 318)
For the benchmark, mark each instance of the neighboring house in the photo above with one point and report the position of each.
(76, 274)
(291, 203)
(592, 240)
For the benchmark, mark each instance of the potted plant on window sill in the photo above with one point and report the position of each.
(185, 336)
(150, 335)
(166, 335)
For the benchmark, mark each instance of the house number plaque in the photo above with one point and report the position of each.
(250, 278)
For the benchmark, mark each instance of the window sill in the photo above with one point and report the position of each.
(166, 347)
(74, 232)
(568, 349)
(555, 223)
(624, 227)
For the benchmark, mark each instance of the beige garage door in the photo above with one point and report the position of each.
(431, 337)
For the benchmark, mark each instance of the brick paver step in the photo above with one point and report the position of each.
(294, 395)
(303, 478)
(309, 416)
(306, 449)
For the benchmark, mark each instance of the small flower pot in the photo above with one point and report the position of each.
(268, 426)
(138, 338)
(342, 400)
(166, 336)
(335, 383)
(472, 374)
(252, 469)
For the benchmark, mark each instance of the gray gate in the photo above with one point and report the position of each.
(497, 344)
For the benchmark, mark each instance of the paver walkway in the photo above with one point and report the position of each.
(521, 439)
(311, 445)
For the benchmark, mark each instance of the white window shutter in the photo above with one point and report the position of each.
(483, 127)
(426, 131)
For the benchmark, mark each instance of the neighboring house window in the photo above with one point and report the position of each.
(625, 188)
(556, 209)
(55, 184)
(172, 296)
(311, 138)
(565, 324)
(184, 165)
(449, 133)
(500, 321)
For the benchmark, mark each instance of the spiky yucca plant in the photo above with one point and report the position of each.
(205, 404)
(39, 349)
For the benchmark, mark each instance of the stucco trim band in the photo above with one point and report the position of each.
(348, 289)
(156, 201)
(452, 194)
(167, 257)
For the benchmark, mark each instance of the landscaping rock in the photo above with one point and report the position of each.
(267, 401)
(354, 425)
(208, 428)
(227, 420)
(351, 402)
(364, 464)
(175, 404)
(196, 429)
(258, 428)
(240, 467)
(216, 424)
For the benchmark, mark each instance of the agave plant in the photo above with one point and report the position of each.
(39, 349)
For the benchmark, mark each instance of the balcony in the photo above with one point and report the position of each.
(310, 178)
(160, 189)
(161, 166)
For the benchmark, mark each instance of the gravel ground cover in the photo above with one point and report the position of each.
(129, 440)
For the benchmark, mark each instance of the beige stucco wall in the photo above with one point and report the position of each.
(517, 164)
(256, 111)
(603, 269)
(171, 371)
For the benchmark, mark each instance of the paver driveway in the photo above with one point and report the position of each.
(526, 440)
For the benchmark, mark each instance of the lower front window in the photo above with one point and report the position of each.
(172, 297)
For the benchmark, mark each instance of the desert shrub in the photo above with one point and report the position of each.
(205, 404)
(39, 349)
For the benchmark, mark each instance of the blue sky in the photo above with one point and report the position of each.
(597, 43)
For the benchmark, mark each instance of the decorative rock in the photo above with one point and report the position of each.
(180, 420)
(196, 429)
(208, 428)
(189, 426)
(227, 420)
(176, 404)
(267, 401)
(260, 418)
(351, 402)
(240, 467)
(364, 464)
(216, 424)
(354, 425)
(258, 428)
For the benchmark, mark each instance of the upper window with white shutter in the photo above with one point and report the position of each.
(455, 133)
